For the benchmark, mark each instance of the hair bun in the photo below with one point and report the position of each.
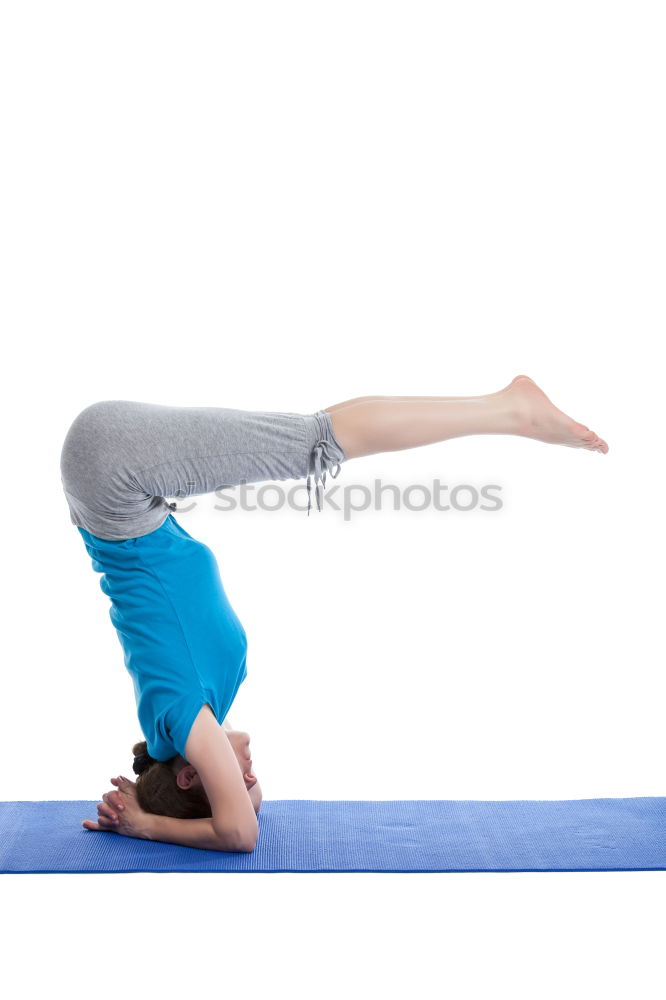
(142, 759)
(141, 763)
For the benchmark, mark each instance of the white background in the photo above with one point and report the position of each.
(281, 206)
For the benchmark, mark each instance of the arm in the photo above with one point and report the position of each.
(119, 812)
(191, 833)
(256, 797)
(208, 749)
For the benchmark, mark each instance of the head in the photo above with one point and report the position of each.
(174, 788)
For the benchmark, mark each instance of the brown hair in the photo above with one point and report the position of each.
(158, 792)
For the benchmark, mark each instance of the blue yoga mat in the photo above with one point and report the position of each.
(303, 835)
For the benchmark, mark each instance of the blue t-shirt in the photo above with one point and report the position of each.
(183, 644)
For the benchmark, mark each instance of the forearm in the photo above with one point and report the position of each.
(191, 833)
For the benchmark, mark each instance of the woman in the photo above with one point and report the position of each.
(183, 645)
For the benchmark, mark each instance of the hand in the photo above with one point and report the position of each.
(120, 812)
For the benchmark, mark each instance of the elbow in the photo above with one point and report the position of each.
(238, 841)
(248, 841)
(247, 846)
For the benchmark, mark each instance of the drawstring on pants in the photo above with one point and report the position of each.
(323, 450)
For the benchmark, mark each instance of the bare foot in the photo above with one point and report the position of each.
(541, 420)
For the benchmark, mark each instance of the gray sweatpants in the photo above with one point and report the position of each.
(121, 458)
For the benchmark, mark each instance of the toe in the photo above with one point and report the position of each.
(588, 439)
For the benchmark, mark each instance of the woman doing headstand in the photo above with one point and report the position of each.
(183, 645)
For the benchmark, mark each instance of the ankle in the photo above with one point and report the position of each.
(506, 414)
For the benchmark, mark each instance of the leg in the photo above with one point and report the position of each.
(365, 399)
(371, 424)
(122, 458)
